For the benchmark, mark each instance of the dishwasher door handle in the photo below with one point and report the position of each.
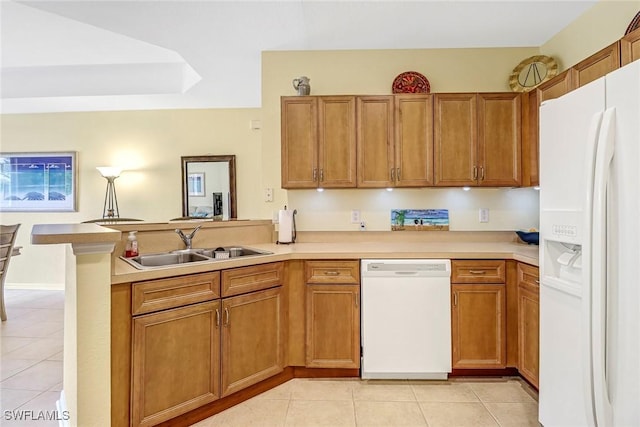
(406, 273)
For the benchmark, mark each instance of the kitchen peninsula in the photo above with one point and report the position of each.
(98, 306)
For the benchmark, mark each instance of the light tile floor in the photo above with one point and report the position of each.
(31, 343)
(505, 402)
(31, 380)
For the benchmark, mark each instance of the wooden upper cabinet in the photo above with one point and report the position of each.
(337, 141)
(477, 139)
(557, 86)
(597, 65)
(299, 129)
(530, 147)
(375, 141)
(499, 149)
(318, 142)
(455, 139)
(630, 47)
(414, 140)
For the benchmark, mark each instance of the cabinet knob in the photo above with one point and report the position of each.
(321, 175)
(217, 317)
(475, 173)
(315, 175)
(477, 272)
(226, 315)
(482, 173)
(398, 174)
(331, 273)
(392, 175)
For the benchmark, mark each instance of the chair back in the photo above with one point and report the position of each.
(8, 235)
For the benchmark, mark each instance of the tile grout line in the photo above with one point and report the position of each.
(485, 407)
(415, 396)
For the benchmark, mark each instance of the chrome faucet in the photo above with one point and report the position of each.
(186, 238)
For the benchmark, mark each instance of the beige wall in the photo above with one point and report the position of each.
(149, 145)
(597, 28)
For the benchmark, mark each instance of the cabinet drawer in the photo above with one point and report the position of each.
(347, 272)
(154, 295)
(528, 276)
(248, 279)
(477, 271)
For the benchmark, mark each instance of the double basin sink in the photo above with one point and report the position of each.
(185, 256)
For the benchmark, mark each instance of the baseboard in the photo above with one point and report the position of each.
(35, 286)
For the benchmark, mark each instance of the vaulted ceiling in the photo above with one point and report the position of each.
(102, 55)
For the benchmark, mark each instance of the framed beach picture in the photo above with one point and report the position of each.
(38, 182)
(195, 184)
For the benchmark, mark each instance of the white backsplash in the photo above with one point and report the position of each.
(330, 210)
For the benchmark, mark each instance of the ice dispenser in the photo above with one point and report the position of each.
(570, 266)
(563, 261)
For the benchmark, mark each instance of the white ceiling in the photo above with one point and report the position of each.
(103, 55)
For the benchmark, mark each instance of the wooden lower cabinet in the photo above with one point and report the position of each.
(528, 323)
(252, 338)
(478, 326)
(175, 362)
(333, 326)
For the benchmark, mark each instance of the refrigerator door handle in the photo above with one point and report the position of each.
(604, 156)
(587, 367)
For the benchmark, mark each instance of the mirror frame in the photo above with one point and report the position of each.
(231, 159)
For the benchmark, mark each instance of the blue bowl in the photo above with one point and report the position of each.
(531, 238)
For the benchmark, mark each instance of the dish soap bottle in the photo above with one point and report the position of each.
(131, 249)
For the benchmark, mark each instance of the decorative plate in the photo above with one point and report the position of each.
(411, 82)
(634, 24)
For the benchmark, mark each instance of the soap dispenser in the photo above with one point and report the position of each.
(131, 249)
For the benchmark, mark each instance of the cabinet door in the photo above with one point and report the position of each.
(337, 141)
(499, 143)
(597, 65)
(557, 86)
(455, 139)
(630, 47)
(375, 141)
(333, 326)
(528, 323)
(414, 140)
(478, 326)
(299, 129)
(175, 362)
(530, 146)
(252, 339)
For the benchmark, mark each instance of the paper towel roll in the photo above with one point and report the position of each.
(285, 226)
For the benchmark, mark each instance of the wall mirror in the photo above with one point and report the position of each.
(209, 187)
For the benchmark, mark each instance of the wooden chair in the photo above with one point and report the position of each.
(8, 235)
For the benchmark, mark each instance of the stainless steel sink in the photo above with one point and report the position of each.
(232, 252)
(165, 259)
(173, 258)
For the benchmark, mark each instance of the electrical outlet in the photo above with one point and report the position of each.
(355, 216)
(484, 215)
(268, 194)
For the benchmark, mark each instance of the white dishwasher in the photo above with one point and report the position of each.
(406, 318)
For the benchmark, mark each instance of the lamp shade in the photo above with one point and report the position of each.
(109, 171)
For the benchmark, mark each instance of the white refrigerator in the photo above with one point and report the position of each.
(589, 254)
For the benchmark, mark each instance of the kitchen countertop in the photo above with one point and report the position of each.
(124, 273)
